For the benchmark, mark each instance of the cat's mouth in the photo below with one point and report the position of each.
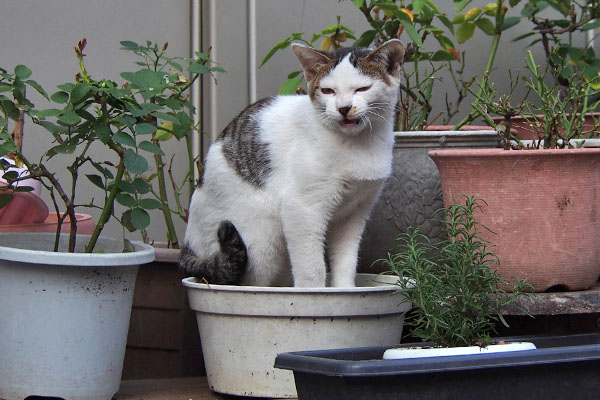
(349, 122)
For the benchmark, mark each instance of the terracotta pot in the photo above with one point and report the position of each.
(412, 194)
(85, 224)
(520, 127)
(542, 206)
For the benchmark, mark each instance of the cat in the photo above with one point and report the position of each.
(288, 185)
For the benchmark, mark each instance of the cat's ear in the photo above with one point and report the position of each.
(392, 53)
(310, 59)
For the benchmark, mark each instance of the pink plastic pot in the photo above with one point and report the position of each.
(85, 224)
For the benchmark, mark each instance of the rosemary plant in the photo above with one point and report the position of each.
(457, 296)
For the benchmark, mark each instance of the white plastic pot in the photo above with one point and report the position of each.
(64, 317)
(243, 328)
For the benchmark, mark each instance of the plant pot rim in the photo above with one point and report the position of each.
(480, 152)
(387, 282)
(448, 132)
(144, 253)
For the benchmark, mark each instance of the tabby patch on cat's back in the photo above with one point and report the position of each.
(291, 176)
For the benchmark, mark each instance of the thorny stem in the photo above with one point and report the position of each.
(110, 200)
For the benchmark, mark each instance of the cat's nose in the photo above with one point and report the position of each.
(344, 110)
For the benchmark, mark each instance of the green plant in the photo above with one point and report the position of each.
(130, 120)
(557, 26)
(457, 296)
(555, 113)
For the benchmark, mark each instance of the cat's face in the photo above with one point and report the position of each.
(353, 89)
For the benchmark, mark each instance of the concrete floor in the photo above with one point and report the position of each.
(195, 388)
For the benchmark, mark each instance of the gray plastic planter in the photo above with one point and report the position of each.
(562, 368)
(64, 317)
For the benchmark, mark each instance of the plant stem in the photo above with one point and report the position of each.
(499, 21)
(109, 201)
(162, 191)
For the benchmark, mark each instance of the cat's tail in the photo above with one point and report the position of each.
(224, 268)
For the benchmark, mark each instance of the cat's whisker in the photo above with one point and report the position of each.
(378, 115)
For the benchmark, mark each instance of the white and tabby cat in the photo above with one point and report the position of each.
(295, 177)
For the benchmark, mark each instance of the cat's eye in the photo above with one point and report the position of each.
(327, 90)
(363, 89)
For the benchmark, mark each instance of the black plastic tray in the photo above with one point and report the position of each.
(563, 367)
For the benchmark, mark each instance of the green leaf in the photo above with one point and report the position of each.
(591, 25)
(135, 163)
(465, 31)
(459, 5)
(51, 127)
(447, 23)
(103, 133)
(151, 147)
(5, 198)
(104, 171)
(197, 68)
(141, 186)
(60, 97)
(140, 218)
(486, 25)
(124, 139)
(65, 87)
(150, 204)
(365, 39)
(50, 112)
(7, 147)
(294, 74)
(418, 6)
(79, 92)
(126, 200)
(69, 118)
(358, 3)
(145, 129)
(217, 69)
(129, 45)
(409, 27)
(509, 22)
(279, 46)
(166, 116)
(442, 55)
(38, 88)
(64, 148)
(96, 180)
(22, 72)
(146, 80)
(126, 221)
(126, 186)
(290, 86)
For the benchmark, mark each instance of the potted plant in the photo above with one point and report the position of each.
(559, 27)
(66, 298)
(456, 302)
(535, 204)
